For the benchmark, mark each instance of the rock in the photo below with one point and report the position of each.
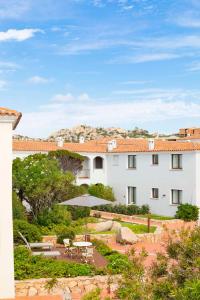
(104, 226)
(32, 291)
(126, 235)
(116, 226)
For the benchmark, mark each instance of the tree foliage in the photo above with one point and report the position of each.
(68, 161)
(173, 276)
(39, 181)
(18, 208)
(101, 191)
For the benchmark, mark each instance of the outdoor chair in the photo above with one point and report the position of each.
(88, 255)
(44, 245)
(44, 253)
(69, 250)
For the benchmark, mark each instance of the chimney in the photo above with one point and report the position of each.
(151, 144)
(81, 140)
(114, 143)
(60, 142)
(110, 146)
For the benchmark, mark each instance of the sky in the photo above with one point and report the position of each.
(121, 63)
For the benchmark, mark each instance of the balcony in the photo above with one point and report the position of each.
(84, 173)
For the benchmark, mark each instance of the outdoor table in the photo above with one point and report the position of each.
(82, 244)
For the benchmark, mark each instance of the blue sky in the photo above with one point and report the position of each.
(122, 63)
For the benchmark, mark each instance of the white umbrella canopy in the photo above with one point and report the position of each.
(86, 201)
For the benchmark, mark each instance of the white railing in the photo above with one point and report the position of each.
(84, 173)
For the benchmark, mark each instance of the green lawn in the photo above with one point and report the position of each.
(138, 228)
(156, 217)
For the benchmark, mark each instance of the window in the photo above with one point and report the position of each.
(98, 162)
(115, 160)
(176, 161)
(176, 196)
(131, 161)
(155, 159)
(131, 194)
(155, 193)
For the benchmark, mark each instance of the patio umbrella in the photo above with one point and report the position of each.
(86, 201)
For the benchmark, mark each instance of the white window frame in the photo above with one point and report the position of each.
(133, 189)
(134, 161)
(179, 196)
(179, 161)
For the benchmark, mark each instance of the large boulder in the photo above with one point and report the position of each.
(126, 236)
(116, 226)
(101, 226)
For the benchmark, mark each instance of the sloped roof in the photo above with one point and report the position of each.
(100, 146)
(9, 112)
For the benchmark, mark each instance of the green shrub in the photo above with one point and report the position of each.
(78, 212)
(93, 295)
(191, 291)
(18, 208)
(65, 234)
(29, 267)
(101, 191)
(117, 262)
(124, 209)
(187, 212)
(56, 215)
(30, 231)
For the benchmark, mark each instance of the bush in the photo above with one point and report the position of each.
(29, 267)
(30, 231)
(101, 191)
(18, 208)
(124, 209)
(187, 212)
(78, 212)
(65, 234)
(117, 262)
(56, 215)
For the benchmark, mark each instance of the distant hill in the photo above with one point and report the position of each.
(93, 133)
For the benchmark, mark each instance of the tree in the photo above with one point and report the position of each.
(101, 191)
(18, 208)
(68, 161)
(39, 181)
(173, 276)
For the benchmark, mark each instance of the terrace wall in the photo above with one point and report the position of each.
(66, 286)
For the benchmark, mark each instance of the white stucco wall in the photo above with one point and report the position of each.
(6, 228)
(147, 176)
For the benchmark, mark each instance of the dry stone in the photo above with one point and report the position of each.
(126, 235)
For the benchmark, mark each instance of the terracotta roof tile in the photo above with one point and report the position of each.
(100, 146)
(9, 112)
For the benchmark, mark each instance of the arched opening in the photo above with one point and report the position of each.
(98, 162)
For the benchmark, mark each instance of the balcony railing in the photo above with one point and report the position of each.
(84, 173)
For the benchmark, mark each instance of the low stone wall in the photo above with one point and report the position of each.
(65, 286)
(131, 219)
(103, 237)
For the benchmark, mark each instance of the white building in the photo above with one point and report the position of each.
(159, 173)
(8, 121)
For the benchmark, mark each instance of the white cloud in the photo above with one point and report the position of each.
(18, 35)
(39, 80)
(62, 98)
(161, 105)
(136, 82)
(3, 84)
(7, 66)
(194, 67)
(13, 8)
(145, 58)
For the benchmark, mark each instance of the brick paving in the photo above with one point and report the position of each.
(49, 297)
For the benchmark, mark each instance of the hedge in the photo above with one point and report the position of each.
(187, 212)
(31, 267)
(124, 209)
